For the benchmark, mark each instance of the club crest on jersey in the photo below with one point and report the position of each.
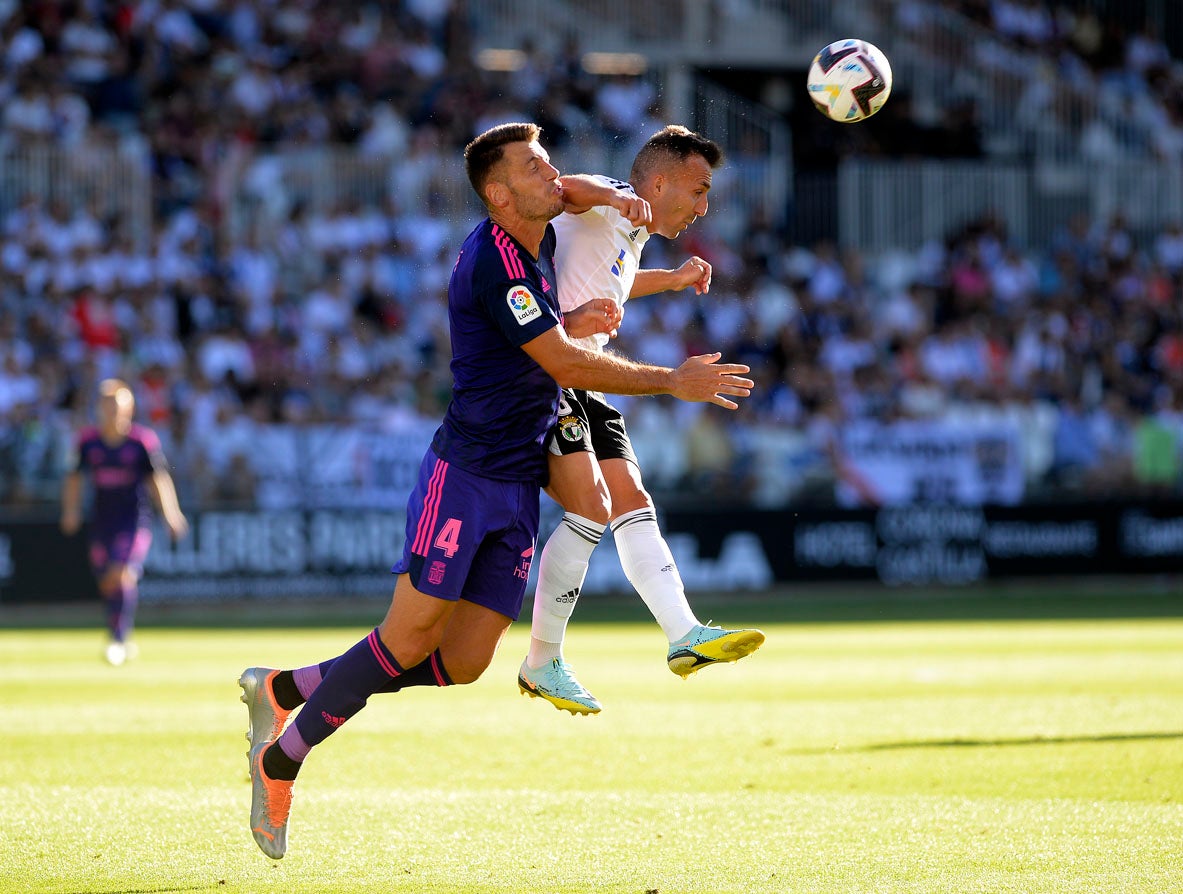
(521, 302)
(571, 428)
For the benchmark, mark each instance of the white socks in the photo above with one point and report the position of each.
(561, 570)
(649, 566)
(647, 563)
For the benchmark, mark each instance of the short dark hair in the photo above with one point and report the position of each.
(483, 153)
(674, 142)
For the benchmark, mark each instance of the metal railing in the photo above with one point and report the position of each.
(1025, 106)
(757, 174)
(115, 182)
(940, 58)
(326, 178)
(671, 36)
(886, 205)
(759, 168)
(766, 32)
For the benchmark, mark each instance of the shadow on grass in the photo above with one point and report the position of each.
(992, 743)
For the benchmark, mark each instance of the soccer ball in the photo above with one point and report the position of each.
(849, 80)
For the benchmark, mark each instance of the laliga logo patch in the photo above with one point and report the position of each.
(521, 302)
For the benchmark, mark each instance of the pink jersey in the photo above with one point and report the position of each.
(117, 473)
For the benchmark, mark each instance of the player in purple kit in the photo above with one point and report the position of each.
(126, 467)
(472, 520)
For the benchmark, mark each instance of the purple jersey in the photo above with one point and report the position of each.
(503, 403)
(117, 474)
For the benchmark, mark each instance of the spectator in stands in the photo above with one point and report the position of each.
(211, 88)
(1075, 455)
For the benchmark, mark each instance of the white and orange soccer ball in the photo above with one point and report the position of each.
(849, 80)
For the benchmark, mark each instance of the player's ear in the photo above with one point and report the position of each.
(497, 194)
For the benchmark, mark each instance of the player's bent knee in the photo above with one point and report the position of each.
(113, 581)
(593, 506)
(464, 671)
(627, 492)
(631, 501)
(465, 662)
(600, 514)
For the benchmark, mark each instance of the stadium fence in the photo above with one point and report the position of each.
(891, 205)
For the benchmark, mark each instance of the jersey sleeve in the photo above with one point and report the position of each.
(153, 459)
(513, 290)
(519, 311)
(76, 461)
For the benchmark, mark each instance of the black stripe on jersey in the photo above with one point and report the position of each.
(621, 184)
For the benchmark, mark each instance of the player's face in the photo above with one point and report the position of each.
(533, 181)
(683, 197)
(116, 410)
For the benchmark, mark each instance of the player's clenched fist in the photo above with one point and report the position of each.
(633, 208)
(694, 272)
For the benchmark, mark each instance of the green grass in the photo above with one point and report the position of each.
(1025, 755)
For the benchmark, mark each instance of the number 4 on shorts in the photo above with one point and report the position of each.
(449, 537)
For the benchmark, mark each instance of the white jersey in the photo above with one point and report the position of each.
(597, 256)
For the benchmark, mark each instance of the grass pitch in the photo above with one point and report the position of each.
(1026, 755)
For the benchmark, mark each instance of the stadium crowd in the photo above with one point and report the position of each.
(337, 316)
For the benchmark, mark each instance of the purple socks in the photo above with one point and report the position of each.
(351, 680)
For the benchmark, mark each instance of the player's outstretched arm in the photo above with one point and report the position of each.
(71, 519)
(581, 192)
(700, 379)
(694, 272)
(164, 494)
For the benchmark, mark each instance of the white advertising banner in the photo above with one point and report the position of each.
(339, 466)
(921, 462)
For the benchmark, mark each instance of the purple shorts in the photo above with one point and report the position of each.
(124, 546)
(469, 537)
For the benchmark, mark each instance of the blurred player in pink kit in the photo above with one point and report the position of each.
(126, 467)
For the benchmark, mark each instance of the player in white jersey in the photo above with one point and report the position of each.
(594, 474)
